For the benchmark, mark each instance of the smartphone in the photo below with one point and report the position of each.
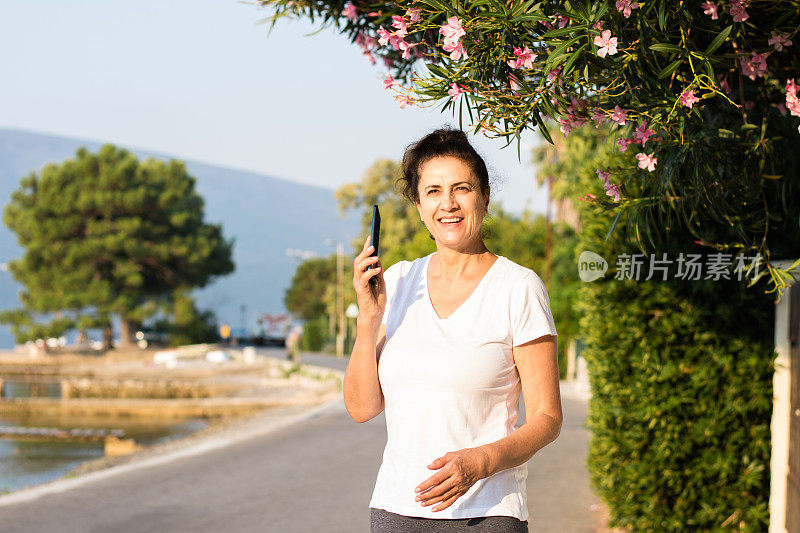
(375, 238)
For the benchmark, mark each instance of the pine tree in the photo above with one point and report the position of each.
(105, 234)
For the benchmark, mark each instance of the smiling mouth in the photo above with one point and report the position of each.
(450, 221)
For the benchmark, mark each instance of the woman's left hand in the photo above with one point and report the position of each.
(458, 471)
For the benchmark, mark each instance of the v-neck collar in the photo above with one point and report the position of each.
(465, 302)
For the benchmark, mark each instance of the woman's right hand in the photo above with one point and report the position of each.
(371, 298)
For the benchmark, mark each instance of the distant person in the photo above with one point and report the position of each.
(446, 343)
(293, 343)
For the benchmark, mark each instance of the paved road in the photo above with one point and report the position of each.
(314, 476)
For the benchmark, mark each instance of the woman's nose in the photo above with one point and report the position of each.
(448, 201)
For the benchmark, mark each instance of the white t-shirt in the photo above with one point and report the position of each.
(452, 383)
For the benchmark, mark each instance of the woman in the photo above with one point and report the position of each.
(446, 343)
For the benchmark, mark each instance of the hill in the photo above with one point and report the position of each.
(266, 216)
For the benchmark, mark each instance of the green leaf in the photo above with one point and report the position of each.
(662, 15)
(573, 57)
(709, 69)
(613, 225)
(602, 11)
(718, 40)
(553, 59)
(672, 67)
(664, 47)
(542, 127)
(436, 5)
(558, 32)
(437, 70)
(528, 17)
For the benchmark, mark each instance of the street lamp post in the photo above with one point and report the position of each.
(340, 299)
(339, 296)
(351, 312)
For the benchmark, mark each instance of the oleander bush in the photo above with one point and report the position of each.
(681, 374)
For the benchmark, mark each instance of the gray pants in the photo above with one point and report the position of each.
(381, 521)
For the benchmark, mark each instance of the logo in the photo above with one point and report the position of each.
(591, 266)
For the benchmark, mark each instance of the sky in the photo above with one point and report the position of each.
(203, 80)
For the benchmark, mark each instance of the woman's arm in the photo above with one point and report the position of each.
(537, 364)
(363, 397)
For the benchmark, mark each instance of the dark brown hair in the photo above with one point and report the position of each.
(444, 142)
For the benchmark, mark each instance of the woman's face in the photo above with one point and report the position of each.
(451, 203)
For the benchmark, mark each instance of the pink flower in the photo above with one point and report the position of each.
(569, 123)
(403, 100)
(566, 125)
(598, 25)
(384, 36)
(392, 38)
(792, 102)
(612, 190)
(453, 30)
(779, 40)
(388, 81)
(401, 25)
(513, 82)
(754, 67)
(413, 14)
(525, 58)
(603, 175)
(555, 74)
(561, 20)
(688, 98)
(710, 8)
(623, 144)
(723, 83)
(647, 161)
(738, 10)
(607, 43)
(455, 90)
(618, 116)
(395, 40)
(598, 116)
(625, 7)
(407, 48)
(365, 41)
(349, 11)
(642, 133)
(456, 50)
